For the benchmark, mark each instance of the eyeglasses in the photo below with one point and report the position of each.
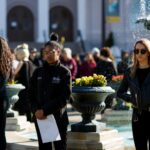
(52, 51)
(49, 52)
(141, 51)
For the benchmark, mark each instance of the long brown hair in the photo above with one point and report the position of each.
(135, 64)
(5, 58)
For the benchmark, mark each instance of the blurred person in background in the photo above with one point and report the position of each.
(15, 63)
(78, 61)
(69, 62)
(22, 75)
(96, 54)
(105, 65)
(88, 67)
(35, 57)
(5, 71)
(124, 63)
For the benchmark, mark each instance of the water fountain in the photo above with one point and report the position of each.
(143, 17)
(137, 21)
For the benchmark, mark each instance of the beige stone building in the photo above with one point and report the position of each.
(33, 20)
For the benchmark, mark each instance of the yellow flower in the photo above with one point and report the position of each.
(77, 81)
(12, 82)
(95, 80)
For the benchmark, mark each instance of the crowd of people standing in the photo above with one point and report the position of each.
(48, 74)
(21, 64)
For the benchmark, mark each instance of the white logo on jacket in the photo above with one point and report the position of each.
(39, 78)
(56, 80)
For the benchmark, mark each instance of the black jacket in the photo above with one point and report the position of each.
(4, 102)
(50, 88)
(106, 68)
(139, 97)
(23, 77)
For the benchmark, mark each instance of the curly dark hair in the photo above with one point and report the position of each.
(5, 58)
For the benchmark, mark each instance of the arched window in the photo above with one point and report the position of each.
(20, 24)
(61, 21)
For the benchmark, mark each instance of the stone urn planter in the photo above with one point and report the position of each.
(12, 92)
(88, 101)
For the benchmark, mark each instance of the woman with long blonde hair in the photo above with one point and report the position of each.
(5, 69)
(137, 80)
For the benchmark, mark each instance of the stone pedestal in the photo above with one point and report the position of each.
(11, 113)
(120, 117)
(92, 126)
(107, 139)
(16, 123)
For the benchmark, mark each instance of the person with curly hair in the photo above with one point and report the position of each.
(5, 70)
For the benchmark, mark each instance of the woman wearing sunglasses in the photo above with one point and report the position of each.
(137, 80)
(5, 69)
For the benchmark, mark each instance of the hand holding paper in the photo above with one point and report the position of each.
(48, 129)
(40, 114)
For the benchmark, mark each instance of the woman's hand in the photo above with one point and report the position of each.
(40, 114)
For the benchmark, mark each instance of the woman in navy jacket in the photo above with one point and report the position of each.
(137, 80)
(49, 91)
(5, 68)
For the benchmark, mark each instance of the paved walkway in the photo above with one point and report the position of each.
(26, 139)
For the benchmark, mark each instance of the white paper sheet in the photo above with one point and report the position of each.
(48, 129)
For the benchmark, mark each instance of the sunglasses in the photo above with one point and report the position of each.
(141, 51)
